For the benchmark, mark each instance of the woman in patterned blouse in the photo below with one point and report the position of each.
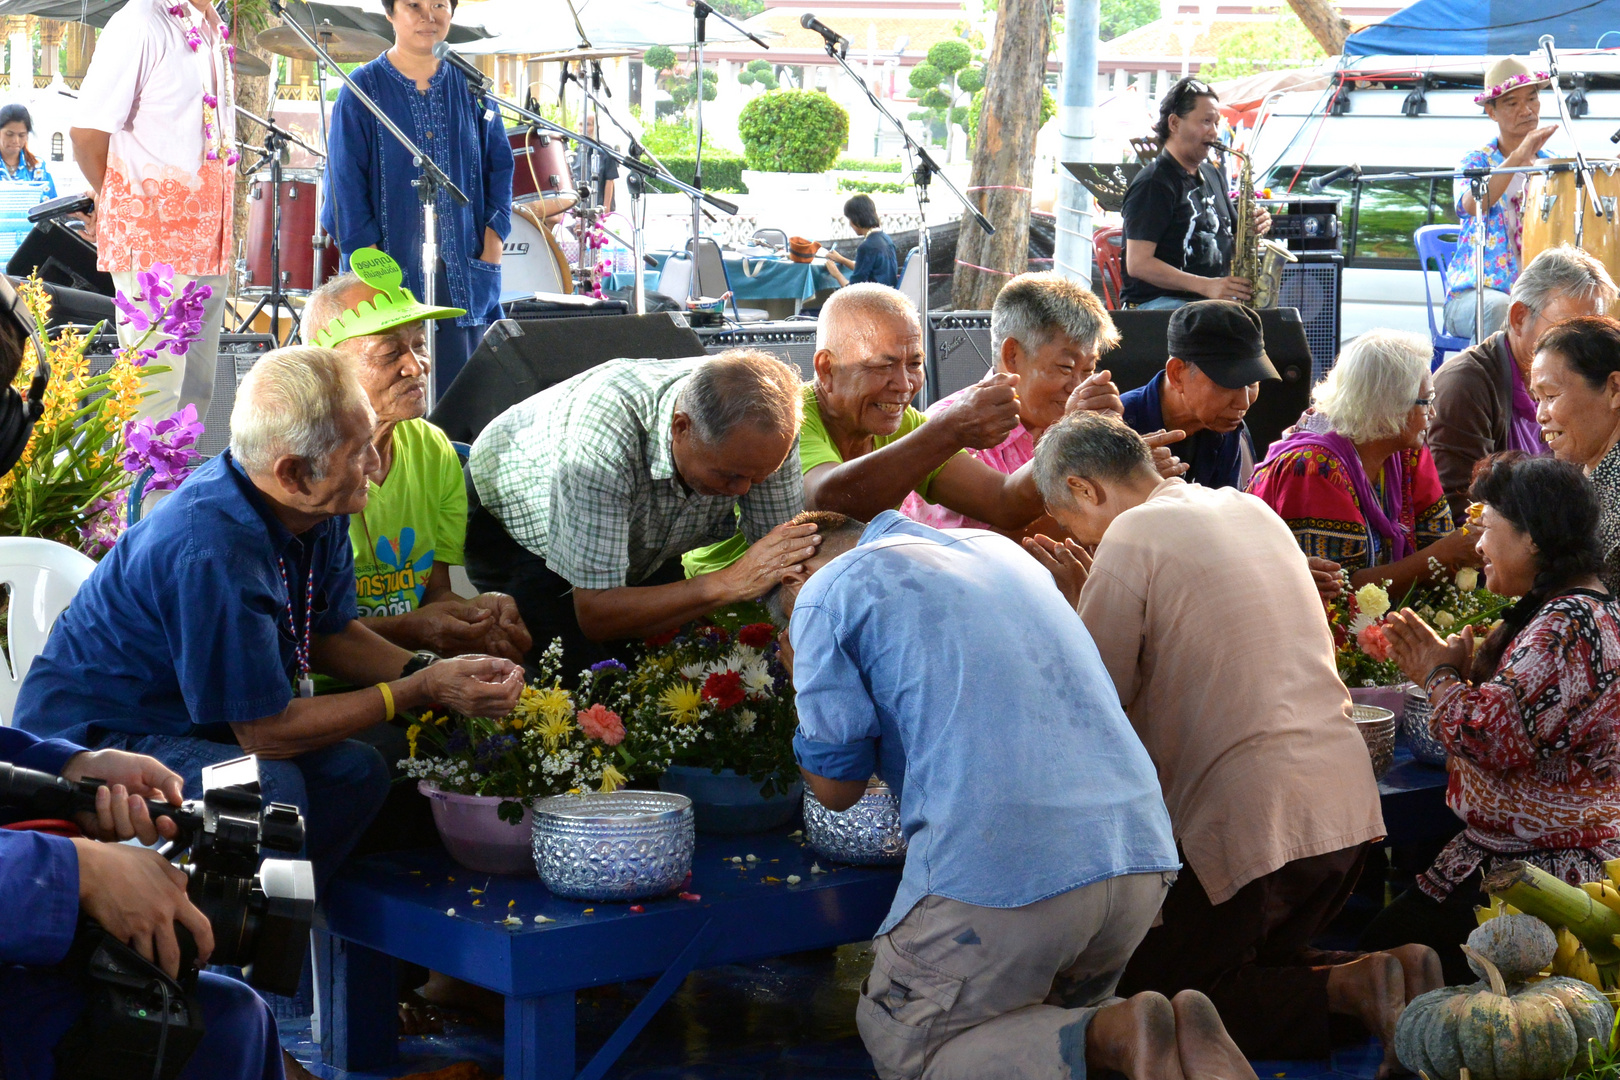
(1575, 379)
(1532, 718)
(1355, 482)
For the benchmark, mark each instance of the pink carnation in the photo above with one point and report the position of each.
(600, 722)
(1373, 642)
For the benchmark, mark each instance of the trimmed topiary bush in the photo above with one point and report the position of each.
(722, 171)
(793, 131)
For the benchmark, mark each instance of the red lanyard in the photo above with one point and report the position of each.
(306, 685)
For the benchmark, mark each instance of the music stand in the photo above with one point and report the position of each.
(1107, 183)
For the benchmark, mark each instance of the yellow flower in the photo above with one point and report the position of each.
(1372, 601)
(410, 737)
(517, 722)
(612, 779)
(681, 703)
(554, 703)
(553, 730)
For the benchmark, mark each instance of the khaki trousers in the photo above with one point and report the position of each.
(961, 992)
(190, 378)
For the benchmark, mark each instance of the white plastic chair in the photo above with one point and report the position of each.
(42, 577)
(914, 279)
(675, 280)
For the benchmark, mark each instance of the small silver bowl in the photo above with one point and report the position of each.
(1377, 727)
(1425, 747)
(618, 845)
(867, 834)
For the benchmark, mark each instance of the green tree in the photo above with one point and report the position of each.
(793, 131)
(678, 84)
(1280, 44)
(938, 85)
(739, 9)
(1122, 16)
(758, 73)
(659, 58)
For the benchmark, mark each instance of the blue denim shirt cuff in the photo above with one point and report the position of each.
(836, 761)
(499, 218)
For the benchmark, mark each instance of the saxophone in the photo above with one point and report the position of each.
(1253, 256)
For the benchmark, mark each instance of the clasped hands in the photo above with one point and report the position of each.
(488, 623)
(1417, 650)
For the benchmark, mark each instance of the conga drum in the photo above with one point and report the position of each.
(540, 172)
(1552, 206)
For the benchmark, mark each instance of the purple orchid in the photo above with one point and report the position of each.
(164, 446)
(193, 38)
(103, 524)
(145, 309)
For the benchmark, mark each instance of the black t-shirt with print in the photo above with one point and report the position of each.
(1187, 216)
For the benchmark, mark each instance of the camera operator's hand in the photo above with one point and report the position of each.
(472, 685)
(130, 779)
(138, 896)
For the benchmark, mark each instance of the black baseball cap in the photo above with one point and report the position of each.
(1224, 339)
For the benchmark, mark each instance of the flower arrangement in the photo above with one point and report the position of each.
(729, 687)
(1358, 619)
(556, 741)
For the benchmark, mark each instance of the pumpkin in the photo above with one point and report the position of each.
(1519, 945)
(1531, 1031)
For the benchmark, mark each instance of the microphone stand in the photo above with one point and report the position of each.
(926, 170)
(1583, 171)
(276, 137)
(428, 186)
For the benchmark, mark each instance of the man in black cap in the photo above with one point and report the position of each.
(1217, 361)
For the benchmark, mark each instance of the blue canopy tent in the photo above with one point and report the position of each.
(1488, 28)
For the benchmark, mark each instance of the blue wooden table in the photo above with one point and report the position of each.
(384, 907)
(1413, 796)
(755, 278)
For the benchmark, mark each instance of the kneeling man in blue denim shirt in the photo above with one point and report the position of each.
(1039, 847)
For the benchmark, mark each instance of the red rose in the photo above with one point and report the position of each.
(757, 635)
(725, 689)
(658, 641)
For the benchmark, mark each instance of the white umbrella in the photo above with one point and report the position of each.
(530, 27)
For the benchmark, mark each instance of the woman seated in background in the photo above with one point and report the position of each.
(1532, 719)
(874, 259)
(20, 163)
(1355, 482)
(1575, 378)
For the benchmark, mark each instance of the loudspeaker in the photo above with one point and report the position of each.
(62, 257)
(959, 353)
(519, 359)
(791, 342)
(237, 353)
(1314, 286)
(1144, 345)
(532, 309)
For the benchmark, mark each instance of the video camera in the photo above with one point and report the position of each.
(139, 1022)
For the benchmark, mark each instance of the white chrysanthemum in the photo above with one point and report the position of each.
(742, 656)
(694, 672)
(745, 720)
(1360, 623)
(756, 677)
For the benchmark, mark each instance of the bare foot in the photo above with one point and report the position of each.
(294, 1068)
(446, 992)
(1373, 989)
(1136, 1037)
(1421, 967)
(1205, 1049)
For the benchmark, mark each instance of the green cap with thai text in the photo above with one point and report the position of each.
(393, 305)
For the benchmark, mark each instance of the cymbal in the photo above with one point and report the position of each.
(343, 45)
(249, 66)
(576, 55)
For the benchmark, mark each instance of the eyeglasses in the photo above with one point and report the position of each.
(1423, 403)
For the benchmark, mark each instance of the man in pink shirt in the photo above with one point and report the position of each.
(155, 135)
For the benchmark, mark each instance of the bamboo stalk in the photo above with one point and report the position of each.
(1535, 892)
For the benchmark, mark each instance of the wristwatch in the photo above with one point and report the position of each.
(416, 663)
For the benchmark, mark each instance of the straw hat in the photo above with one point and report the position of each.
(1510, 73)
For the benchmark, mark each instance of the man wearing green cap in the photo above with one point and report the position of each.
(412, 529)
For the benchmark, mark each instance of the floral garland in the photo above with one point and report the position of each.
(215, 141)
(1522, 79)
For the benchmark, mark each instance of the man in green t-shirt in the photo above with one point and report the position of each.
(415, 521)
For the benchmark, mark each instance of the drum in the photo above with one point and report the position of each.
(1549, 213)
(300, 222)
(541, 170)
(532, 262)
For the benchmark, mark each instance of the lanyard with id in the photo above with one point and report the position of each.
(306, 685)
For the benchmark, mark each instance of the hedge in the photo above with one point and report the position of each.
(793, 131)
(873, 187)
(722, 171)
(849, 164)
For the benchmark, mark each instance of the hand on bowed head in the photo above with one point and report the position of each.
(1096, 394)
(1164, 461)
(781, 551)
(1328, 576)
(1068, 563)
(129, 780)
(473, 685)
(1417, 650)
(986, 412)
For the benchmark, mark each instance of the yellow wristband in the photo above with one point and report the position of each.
(388, 701)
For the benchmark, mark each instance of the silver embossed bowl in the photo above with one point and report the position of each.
(617, 845)
(1377, 727)
(867, 834)
(1425, 747)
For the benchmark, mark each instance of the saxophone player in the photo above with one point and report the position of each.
(1179, 218)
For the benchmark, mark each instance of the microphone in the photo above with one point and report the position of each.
(1315, 186)
(1546, 43)
(442, 51)
(832, 37)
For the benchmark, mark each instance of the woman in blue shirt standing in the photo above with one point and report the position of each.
(370, 198)
(874, 259)
(19, 163)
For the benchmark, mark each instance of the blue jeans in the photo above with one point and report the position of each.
(454, 345)
(338, 788)
(41, 1004)
(1460, 312)
(1163, 303)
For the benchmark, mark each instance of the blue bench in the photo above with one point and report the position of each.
(384, 907)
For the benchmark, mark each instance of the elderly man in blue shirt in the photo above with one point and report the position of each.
(47, 882)
(1039, 847)
(198, 637)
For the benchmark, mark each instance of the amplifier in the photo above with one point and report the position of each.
(959, 353)
(792, 342)
(1305, 224)
(561, 306)
(1315, 287)
(237, 353)
(62, 256)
